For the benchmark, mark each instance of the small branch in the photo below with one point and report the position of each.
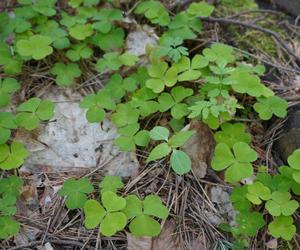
(272, 33)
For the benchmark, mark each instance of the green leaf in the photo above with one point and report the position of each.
(153, 206)
(65, 73)
(200, 9)
(8, 205)
(33, 111)
(180, 162)
(111, 183)
(79, 51)
(112, 223)
(190, 70)
(125, 115)
(249, 223)
(81, 31)
(154, 11)
(232, 133)
(45, 7)
(294, 162)
(159, 133)
(134, 206)
(94, 214)
(8, 227)
(282, 227)
(37, 47)
(7, 122)
(7, 87)
(266, 107)
(161, 76)
(258, 192)
(11, 186)
(142, 138)
(239, 199)
(112, 202)
(109, 41)
(180, 138)
(280, 204)
(144, 225)
(76, 191)
(159, 152)
(12, 156)
(105, 17)
(219, 53)
(237, 164)
(179, 93)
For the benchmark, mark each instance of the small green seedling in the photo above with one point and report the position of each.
(79, 51)
(7, 87)
(12, 156)
(109, 216)
(232, 133)
(237, 163)
(257, 192)
(281, 204)
(283, 227)
(112, 40)
(76, 192)
(37, 47)
(141, 214)
(161, 76)
(65, 73)
(105, 18)
(125, 115)
(31, 112)
(294, 162)
(96, 105)
(7, 122)
(180, 161)
(266, 107)
(173, 101)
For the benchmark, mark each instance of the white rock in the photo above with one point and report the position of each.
(69, 141)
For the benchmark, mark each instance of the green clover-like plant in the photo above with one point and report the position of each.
(246, 83)
(258, 192)
(219, 53)
(154, 11)
(131, 136)
(283, 227)
(124, 115)
(7, 122)
(45, 7)
(105, 18)
(141, 214)
(232, 133)
(239, 200)
(281, 204)
(97, 104)
(237, 163)
(119, 86)
(81, 31)
(266, 107)
(79, 51)
(11, 186)
(180, 161)
(114, 39)
(113, 61)
(111, 183)
(294, 162)
(171, 47)
(248, 223)
(37, 47)
(77, 3)
(65, 73)
(173, 101)
(8, 205)
(76, 192)
(7, 87)
(8, 227)
(58, 35)
(31, 112)
(12, 156)
(109, 216)
(190, 70)
(201, 9)
(161, 76)
(11, 62)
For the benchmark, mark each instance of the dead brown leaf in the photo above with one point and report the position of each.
(138, 243)
(200, 148)
(199, 243)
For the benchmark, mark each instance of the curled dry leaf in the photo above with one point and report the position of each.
(200, 147)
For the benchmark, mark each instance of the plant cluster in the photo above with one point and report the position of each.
(112, 212)
(209, 86)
